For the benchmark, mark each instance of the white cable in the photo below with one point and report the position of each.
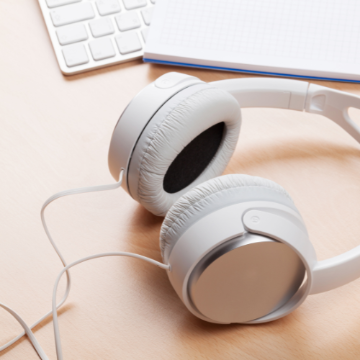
(68, 278)
(55, 317)
(28, 332)
(27, 329)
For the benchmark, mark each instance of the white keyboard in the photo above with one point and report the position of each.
(90, 34)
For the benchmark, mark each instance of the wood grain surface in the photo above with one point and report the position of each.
(54, 135)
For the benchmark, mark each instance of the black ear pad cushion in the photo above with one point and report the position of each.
(193, 159)
(213, 195)
(188, 141)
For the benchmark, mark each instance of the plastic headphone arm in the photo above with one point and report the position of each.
(269, 92)
(295, 95)
(334, 105)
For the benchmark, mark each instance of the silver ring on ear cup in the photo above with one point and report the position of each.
(245, 279)
(224, 269)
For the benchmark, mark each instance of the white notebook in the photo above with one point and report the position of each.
(299, 38)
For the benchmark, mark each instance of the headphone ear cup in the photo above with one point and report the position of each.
(213, 195)
(188, 141)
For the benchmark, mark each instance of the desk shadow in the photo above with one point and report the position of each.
(104, 70)
(145, 229)
(207, 75)
(296, 336)
(294, 150)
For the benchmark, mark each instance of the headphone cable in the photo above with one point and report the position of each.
(55, 307)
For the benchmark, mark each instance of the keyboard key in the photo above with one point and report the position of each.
(128, 43)
(71, 14)
(102, 49)
(77, 23)
(101, 27)
(147, 15)
(71, 34)
(55, 3)
(134, 4)
(75, 55)
(106, 7)
(128, 21)
(144, 33)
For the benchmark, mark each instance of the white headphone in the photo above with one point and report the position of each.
(235, 247)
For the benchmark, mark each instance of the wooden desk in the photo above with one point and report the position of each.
(55, 133)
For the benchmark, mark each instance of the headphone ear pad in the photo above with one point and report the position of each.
(213, 195)
(188, 141)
